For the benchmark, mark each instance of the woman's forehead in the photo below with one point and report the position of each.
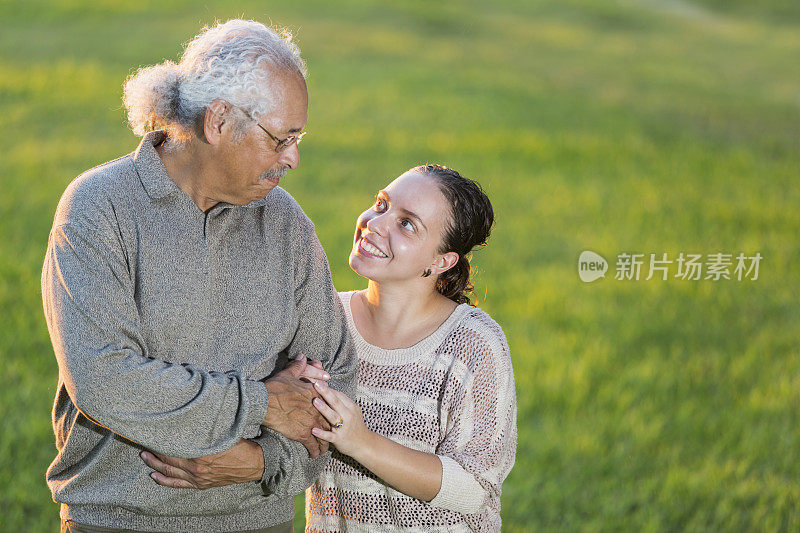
(419, 193)
(416, 187)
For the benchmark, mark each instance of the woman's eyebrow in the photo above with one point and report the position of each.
(406, 212)
(411, 214)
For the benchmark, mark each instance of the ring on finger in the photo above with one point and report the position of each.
(337, 426)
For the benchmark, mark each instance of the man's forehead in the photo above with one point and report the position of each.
(285, 124)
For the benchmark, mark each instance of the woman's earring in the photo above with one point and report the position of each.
(426, 273)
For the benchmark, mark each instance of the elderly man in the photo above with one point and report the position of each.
(178, 283)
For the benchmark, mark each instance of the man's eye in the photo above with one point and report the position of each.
(407, 224)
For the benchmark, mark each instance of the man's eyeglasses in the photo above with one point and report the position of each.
(283, 144)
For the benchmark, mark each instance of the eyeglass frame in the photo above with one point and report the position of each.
(282, 144)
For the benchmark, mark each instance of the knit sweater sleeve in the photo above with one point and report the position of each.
(479, 407)
(323, 335)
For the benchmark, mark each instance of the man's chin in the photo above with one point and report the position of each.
(264, 190)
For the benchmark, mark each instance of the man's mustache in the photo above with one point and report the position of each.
(275, 173)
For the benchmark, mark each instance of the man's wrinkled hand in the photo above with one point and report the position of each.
(244, 462)
(290, 409)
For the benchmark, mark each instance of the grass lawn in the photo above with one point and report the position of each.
(635, 126)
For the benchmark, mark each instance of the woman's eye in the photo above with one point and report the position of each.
(380, 205)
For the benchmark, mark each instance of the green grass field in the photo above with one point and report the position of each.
(614, 126)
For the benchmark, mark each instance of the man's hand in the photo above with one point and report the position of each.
(244, 462)
(290, 410)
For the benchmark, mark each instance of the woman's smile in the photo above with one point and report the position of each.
(367, 248)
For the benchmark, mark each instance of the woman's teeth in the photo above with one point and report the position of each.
(371, 249)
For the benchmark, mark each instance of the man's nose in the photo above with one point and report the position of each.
(290, 157)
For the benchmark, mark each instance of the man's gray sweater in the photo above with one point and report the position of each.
(164, 319)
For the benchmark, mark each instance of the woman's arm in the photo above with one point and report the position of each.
(412, 472)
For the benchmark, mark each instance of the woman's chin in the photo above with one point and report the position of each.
(360, 265)
(355, 264)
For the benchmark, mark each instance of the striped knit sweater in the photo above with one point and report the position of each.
(451, 394)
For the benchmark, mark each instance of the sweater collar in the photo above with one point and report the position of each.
(152, 172)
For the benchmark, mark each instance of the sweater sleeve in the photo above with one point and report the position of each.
(177, 409)
(321, 334)
(460, 491)
(479, 446)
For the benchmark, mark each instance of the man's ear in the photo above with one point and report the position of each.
(444, 263)
(217, 114)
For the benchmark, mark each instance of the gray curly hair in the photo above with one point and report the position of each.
(230, 60)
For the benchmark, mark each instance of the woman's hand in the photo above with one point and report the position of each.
(348, 432)
(313, 370)
(412, 472)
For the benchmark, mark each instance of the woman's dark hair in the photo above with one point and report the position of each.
(471, 220)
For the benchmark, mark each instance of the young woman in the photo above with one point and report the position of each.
(431, 434)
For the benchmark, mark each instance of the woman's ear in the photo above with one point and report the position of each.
(216, 115)
(444, 263)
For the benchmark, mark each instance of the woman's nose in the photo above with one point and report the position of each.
(376, 224)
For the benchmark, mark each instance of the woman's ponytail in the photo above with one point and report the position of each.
(471, 220)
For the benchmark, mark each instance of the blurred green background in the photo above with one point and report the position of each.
(616, 126)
